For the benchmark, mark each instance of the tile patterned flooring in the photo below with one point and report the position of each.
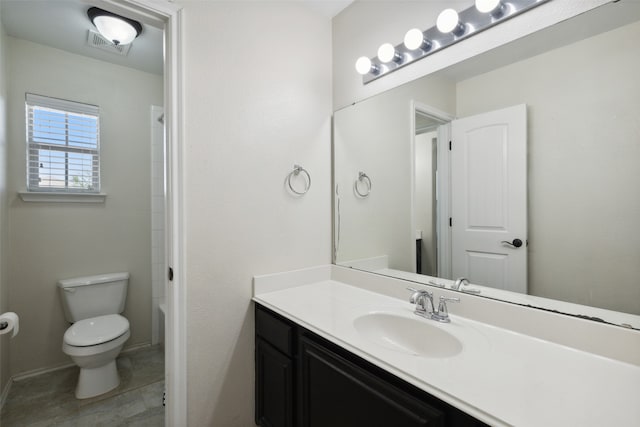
(48, 399)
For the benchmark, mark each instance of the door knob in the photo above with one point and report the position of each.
(516, 243)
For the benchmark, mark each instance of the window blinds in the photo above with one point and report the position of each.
(63, 145)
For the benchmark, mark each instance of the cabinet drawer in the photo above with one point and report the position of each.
(275, 330)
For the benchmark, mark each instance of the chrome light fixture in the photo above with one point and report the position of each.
(118, 29)
(451, 27)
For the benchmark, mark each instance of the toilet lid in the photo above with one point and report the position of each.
(96, 330)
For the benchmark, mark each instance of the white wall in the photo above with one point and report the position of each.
(365, 25)
(52, 241)
(257, 100)
(4, 300)
(378, 131)
(583, 153)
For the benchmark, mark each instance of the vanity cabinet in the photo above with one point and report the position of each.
(304, 380)
(337, 392)
(274, 370)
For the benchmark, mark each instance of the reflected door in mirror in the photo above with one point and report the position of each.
(489, 198)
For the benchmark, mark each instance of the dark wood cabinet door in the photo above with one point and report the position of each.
(274, 387)
(335, 392)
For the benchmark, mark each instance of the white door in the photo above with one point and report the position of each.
(489, 198)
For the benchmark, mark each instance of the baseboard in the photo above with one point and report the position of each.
(40, 371)
(135, 347)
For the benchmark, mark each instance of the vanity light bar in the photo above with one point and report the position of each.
(470, 21)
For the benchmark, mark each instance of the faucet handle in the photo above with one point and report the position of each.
(442, 306)
(439, 285)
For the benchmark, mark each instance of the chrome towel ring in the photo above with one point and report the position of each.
(362, 177)
(295, 172)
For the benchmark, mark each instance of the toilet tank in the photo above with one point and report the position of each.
(92, 296)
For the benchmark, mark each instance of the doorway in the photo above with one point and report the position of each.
(477, 205)
(166, 17)
(430, 205)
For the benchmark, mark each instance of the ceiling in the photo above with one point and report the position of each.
(63, 24)
(328, 8)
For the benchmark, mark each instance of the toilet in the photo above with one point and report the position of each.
(98, 332)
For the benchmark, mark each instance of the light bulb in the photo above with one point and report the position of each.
(486, 6)
(386, 52)
(414, 39)
(363, 65)
(448, 21)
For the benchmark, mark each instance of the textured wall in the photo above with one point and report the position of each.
(257, 100)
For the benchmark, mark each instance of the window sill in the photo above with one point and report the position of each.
(45, 196)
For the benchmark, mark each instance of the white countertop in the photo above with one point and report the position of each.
(500, 377)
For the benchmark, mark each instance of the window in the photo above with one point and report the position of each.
(63, 145)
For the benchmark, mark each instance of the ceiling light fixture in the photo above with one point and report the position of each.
(451, 27)
(118, 29)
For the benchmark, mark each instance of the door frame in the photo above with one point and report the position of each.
(443, 184)
(168, 16)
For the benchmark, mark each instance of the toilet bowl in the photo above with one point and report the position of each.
(98, 332)
(93, 344)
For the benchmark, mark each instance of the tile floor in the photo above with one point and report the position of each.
(48, 399)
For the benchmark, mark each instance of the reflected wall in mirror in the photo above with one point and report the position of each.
(579, 82)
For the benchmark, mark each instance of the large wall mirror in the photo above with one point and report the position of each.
(561, 209)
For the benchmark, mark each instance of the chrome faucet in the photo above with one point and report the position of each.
(461, 284)
(423, 299)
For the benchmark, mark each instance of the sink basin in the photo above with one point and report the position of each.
(407, 335)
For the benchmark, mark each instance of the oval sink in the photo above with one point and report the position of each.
(411, 336)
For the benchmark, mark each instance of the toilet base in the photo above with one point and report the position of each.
(96, 381)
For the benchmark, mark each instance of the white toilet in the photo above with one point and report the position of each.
(95, 339)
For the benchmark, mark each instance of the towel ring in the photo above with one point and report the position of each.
(295, 172)
(362, 177)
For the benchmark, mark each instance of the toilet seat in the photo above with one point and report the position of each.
(92, 350)
(96, 330)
